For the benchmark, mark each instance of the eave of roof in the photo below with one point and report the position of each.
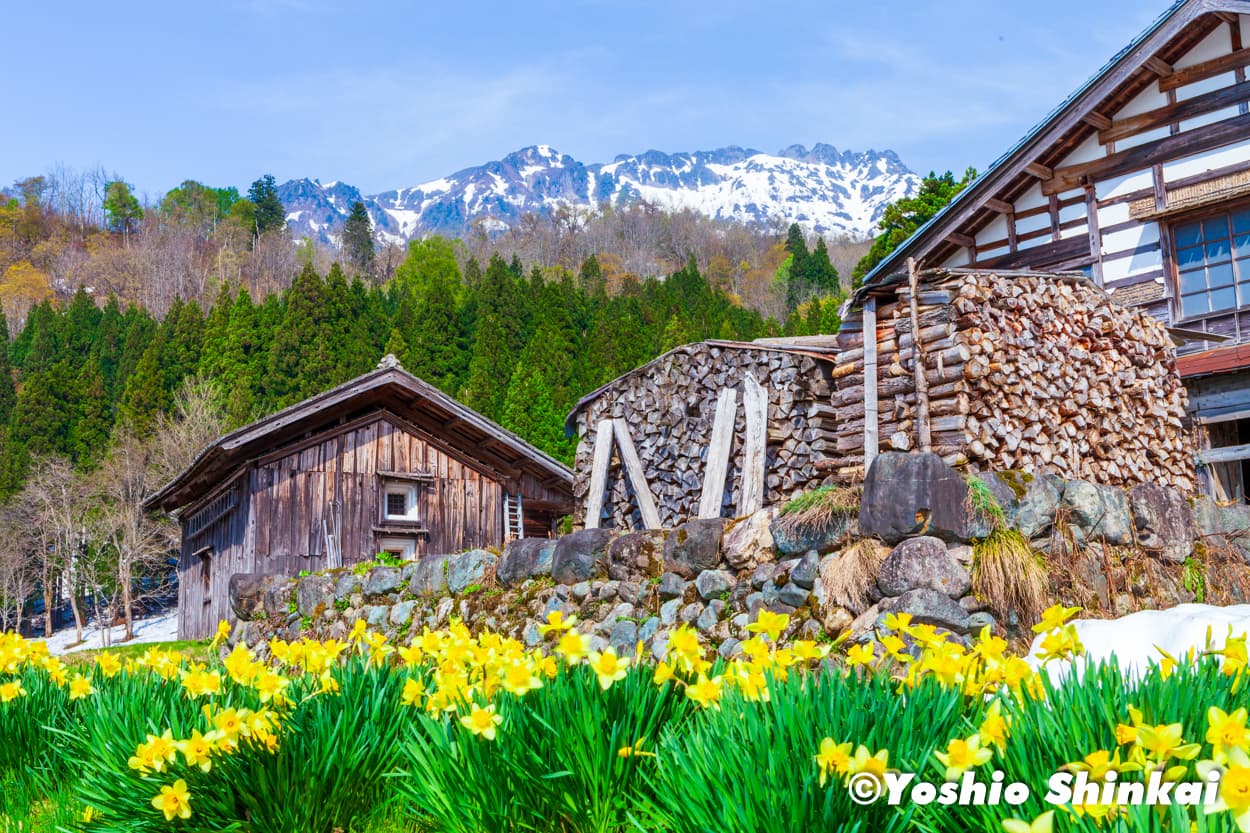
(312, 414)
(988, 182)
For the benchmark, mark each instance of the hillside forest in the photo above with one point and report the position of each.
(137, 333)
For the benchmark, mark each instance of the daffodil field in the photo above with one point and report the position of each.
(463, 732)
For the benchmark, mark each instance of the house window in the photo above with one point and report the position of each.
(404, 548)
(401, 503)
(1213, 262)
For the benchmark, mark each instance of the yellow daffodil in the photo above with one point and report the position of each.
(1100, 762)
(1054, 617)
(1164, 741)
(635, 751)
(556, 623)
(608, 667)
(770, 624)
(875, 765)
(961, 755)
(833, 759)
(414, 692)
(897, 622)
(573, 646)
(174, 801)
(519, 679)
(108, 664)
(482, 721)
(863, 654)
(197, 750)
(993, 728)
(80, 687)
(1226, 731)
(154, 753)
(705, 692)
(11, 691)
(222, 634)
(663, 673)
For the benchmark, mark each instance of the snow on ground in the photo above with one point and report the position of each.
(1135, 639)
(161, 628)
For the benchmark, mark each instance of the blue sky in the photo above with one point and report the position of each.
(389, 94)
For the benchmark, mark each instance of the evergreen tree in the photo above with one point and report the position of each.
(901, 218)
(122, 211)
(396, 347)
(527, 411)
(498, 341)
(8, 392)
(243, 362)
(269, 213)
(300, 363)
(146, 392)
(90, 433)
(217, 334)
(358, 238)
(108, 346)
(591, 277)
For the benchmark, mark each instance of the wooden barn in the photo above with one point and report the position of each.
(1140, 181)
(384, 462)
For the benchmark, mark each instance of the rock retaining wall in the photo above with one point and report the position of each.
(1146, 548)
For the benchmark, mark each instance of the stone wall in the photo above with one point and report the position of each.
(1145, 548)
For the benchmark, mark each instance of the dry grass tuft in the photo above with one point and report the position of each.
(1008, 575)
(827, 509)
(848, 578)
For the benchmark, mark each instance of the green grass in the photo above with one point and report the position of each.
(197, 650)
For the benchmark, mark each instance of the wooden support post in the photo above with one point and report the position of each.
(872, 440)
(599, 473)
(751, 489)
(633, 468)
(924, 438)
(718, 455)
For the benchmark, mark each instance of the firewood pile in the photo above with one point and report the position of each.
(1032, 372)
(669, 408)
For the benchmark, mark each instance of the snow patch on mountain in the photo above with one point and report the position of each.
(825, 190)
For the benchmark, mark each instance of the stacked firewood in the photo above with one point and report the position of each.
(1031, 372)
(669, 407)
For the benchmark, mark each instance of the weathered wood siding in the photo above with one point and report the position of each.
(203, 597)
(295, 491)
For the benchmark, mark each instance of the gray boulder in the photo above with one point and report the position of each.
(314, 594)
(805, 572)
(279, 596)
(639, 553)
(916, 494)
(1234, 524)
(791, 540)
(347, 584)
(923, 562)
(581, 555)
(383, 580)
(1029, 500)
(712, 584)
(623, 637)
(525, 558)
(793, 595)
(1163, 521)
(749, 541)
(247, 594)
(672, 586)
(401, 614)
(928, 607)
(469, 568)
(430, 576)
(694, 547)
(1097, 513)
(1206, 516)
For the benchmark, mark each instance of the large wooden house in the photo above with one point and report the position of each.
(1140, 180)
(384, 462)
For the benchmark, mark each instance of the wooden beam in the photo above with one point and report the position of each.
(1189, 108)
(1226, 454)
(754, 447)
(965, 240)
(1205, 70)
(924, 438)
(1096, 120)
(1193, 141)
(1158, 66)
(1001, 206)
(637, 479)
(599, 473)
(718, 455)
(872, 439)
(1039, 170)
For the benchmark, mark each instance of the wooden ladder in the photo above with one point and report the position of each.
(513, 517)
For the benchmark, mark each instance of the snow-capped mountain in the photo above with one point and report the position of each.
(823, 189)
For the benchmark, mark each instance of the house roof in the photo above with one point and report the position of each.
(388, 388)
(1123, 77)
(817, 347)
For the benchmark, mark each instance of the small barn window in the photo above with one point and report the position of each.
(400, 502)
(404, 548)
(205, 555)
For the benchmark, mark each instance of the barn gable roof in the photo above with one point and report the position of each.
(388, 388)
(1129, 72)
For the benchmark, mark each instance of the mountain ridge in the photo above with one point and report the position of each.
(825, 190)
